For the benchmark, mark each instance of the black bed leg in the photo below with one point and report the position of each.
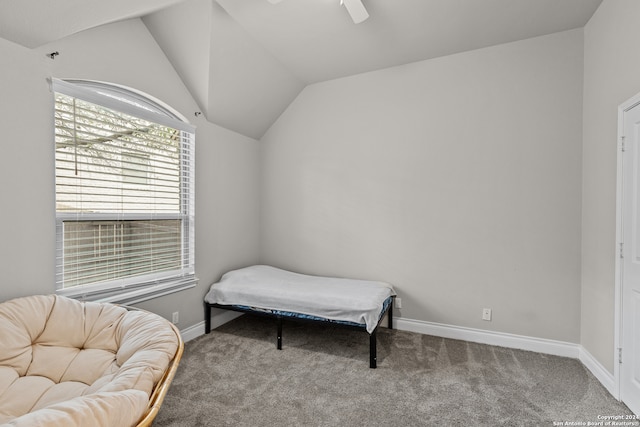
(207, 318)
(279, 342)
(372, 351)
(390, 313)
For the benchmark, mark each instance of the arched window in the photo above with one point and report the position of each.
(124, 194)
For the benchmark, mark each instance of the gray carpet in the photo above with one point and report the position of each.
(236, 377)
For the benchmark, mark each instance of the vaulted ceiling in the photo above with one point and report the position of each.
(317, 40)
(33, 23)
(245, 61)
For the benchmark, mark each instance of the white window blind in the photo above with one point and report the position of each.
(124, 195)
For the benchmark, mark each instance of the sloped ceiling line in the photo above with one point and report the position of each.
(237, 82)
(245, 61)
(33, 23)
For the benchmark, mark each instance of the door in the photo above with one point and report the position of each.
(630, 291)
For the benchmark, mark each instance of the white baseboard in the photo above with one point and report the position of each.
(192, 332)
(501, 339)
(600, 372)
(196, 330)
(539, 345)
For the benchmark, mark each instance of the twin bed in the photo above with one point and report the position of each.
(281, 294)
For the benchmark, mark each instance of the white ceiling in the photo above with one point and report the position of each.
(236, 82)
(33, 23)
(245, 61)
(317, 40)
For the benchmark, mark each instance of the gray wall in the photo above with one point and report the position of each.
(456, 179)
(611, 76)
(123, 53)
(27, 243)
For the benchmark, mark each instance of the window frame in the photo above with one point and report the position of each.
(155, 284)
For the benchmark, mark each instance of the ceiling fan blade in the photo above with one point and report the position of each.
(356, 10)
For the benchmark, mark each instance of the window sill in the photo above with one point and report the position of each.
(137, 295)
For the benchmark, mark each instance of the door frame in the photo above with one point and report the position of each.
(622, 109)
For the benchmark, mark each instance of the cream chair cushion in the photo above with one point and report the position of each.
(65, 362)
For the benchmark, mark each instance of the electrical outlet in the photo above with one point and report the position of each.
(486, 314)
(398, 302)
(175, 317)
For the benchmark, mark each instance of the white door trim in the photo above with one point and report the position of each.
(625, 106)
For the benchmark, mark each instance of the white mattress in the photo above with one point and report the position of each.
(270, 288)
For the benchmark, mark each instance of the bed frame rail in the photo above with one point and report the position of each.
(373, 351)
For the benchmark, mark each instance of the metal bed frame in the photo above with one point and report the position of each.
(372, 336)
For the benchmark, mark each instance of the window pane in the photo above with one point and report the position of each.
(97, 251)
(124, 198)
(108, 161)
